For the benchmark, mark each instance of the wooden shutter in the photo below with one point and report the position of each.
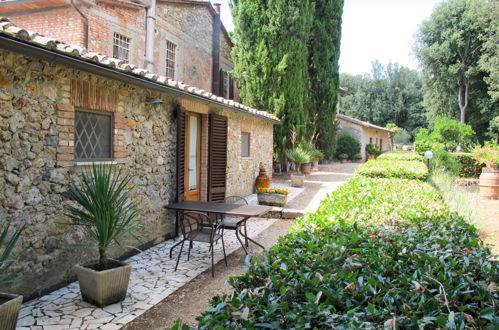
(180, 153)
(217, 158)
(231, 87)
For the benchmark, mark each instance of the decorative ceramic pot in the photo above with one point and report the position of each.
(272, 199)
(10, 304)
(315, 165)
(297, 180)
(102, 288)
(489, 183)
(262, 180)
(306, 168)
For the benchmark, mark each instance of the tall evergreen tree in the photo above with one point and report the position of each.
(271, 61)
(324, 54)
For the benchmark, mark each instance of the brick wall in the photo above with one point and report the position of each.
(62, 23)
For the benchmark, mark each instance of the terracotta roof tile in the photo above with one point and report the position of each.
(362, 123)
(9, 29)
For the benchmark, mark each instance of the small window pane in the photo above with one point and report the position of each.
(121, 47)
(93, 135)
(245, 144)
(171, 49)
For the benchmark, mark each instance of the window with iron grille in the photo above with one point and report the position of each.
(93, 138)
(171, 49)
(121, 47)
(245, 144)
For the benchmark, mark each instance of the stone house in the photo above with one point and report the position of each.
(183, 40)
(63, 108)
(365, 132)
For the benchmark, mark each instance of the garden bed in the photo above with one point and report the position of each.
(377, 253)
(394, 169)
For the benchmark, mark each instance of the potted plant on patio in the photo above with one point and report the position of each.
(298, 156)
(372, 151)
(10, 304)
(316, 156)
(357, 158)
(106, 214)
(343, 158)
(272, 196)
(489, 179)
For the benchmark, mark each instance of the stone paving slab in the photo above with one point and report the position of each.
(152, 279)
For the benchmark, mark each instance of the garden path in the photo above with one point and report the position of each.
(191, 299)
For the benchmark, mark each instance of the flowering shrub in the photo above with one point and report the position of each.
(404, 155)
(488, 155)
(394, 169)
(273, 191)
(377, 253)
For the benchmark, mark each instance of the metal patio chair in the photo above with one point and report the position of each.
(236, 223)
(199, 227)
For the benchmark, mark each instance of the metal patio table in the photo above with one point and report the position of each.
(246, 211)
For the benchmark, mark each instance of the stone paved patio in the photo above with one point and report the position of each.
(152, 280)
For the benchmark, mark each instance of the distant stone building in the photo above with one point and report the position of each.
(365, 132)
(63, 108)
(181, 39)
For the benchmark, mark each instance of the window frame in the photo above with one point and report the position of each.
(168, 59)
(111, 136)
(118, 40)
(249, 144)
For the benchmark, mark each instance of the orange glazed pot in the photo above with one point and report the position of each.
(263, 180)
(489, 183)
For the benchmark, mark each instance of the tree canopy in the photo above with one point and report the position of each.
(390, 94)
(456, 49)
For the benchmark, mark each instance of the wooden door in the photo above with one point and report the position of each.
(192, 161)
(217, 158)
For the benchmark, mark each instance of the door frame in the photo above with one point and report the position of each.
(194, 194)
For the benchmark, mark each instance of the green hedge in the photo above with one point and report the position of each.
(377, 251)
(403, 155)
(394, 169)
(468, 167)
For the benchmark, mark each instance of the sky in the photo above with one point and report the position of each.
(373, 29)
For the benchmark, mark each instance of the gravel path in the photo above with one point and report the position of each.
(190, 300)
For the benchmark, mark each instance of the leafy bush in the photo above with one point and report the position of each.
(347, 144)
(372, 149)
(452, 133)
(402, 137)
(468, 167)
(393, 169)
(377, 253)
(403, 155)
(424, 141)
(357, 157)
(444, 159)
(342, 156)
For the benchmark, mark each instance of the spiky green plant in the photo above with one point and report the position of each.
(7, 244)
(104, 208)
(298, 156)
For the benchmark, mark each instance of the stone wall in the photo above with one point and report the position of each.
(35, 127)
(242, 171)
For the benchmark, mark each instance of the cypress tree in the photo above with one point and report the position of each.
(324, 54)
(271, 61)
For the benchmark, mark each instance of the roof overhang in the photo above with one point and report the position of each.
(32, 50)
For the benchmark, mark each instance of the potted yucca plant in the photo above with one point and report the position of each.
(106, 214)
(298, 156)
(10, 304)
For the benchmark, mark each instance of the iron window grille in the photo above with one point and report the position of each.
(245, 144)
(121, 47)
(171, 50)
(93, 139)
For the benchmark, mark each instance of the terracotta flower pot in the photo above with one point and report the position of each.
(306, 168)
(102, 288)
(272, 199)
(371, 157)
(297, 180)
(343, 161)
(263, 180)
(10, 304)
(489, 183)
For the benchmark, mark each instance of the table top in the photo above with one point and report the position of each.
(221, 208)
